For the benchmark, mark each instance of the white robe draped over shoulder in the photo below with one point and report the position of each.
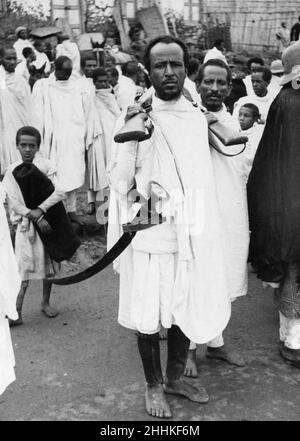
(176, 272)
(16, 111)
(63, 117)
(10, 284)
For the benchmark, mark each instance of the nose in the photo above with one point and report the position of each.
(214, 86)
(169, 70)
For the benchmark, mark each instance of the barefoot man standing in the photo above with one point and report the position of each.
(173, 274)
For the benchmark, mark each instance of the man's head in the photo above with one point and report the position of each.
(113, 76)
(213, 83)
(193, 67)
(8, 59)
(100, 79)
(88, 64)
(40, 46)
(260, 79)
(28, 140)
(131, 70)
(21, 32)
(28, 54)
(220, 45)
(248, 115)
(63, 68)
(254, 62)
(166, 59)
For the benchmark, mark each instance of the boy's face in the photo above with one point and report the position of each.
(27, 147)
(246, 118)
(101, 82)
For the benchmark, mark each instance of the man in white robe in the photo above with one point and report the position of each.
(107, 112)
(15, 107)
(41, 57)
(33, 261)
(213, 84)
(262, 97)
(22, 42)
(126, 89)
(65, 118)
(252, 64)
(174, 274)
(10, 283)
(69, 49)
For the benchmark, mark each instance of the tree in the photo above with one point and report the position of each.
(39, 10)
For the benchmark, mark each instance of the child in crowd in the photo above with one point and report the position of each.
(32, 258)
(249, 119)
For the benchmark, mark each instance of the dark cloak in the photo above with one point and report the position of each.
(274, 190)
(36, 187)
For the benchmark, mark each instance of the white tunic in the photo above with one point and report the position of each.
(33, 262)
(174, 272)
(15, 112)
(64, 117)
(10, 284)
(232, 199)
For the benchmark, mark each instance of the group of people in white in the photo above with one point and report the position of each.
(181, 277)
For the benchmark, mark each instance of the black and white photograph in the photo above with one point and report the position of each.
(149, 213)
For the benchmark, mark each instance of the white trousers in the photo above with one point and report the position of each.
(289, 332)
(217, 342)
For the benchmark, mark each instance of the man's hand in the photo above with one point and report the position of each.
(44, 227)
(34, 215)
(210, 117)
(134, 110)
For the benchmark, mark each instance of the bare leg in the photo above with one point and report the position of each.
(46, 308)
(163, 334)
(191, 365)
(20, 300)
(156, 402)
(178, 346)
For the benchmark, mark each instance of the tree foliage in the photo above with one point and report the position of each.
(38, 10)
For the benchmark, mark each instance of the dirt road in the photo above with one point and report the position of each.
(83, 366)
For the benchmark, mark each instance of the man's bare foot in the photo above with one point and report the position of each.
(76, 218)
(49, 311)
(181, 387)
(91, 208)
(163, 334)
(156, 402)
(224, 354)
(191, 365)
(17, 322)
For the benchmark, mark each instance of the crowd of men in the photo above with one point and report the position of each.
(182, 273)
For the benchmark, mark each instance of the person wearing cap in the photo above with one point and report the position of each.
(277, 72)
(22, 42)
(274, 209)
(218, 51)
